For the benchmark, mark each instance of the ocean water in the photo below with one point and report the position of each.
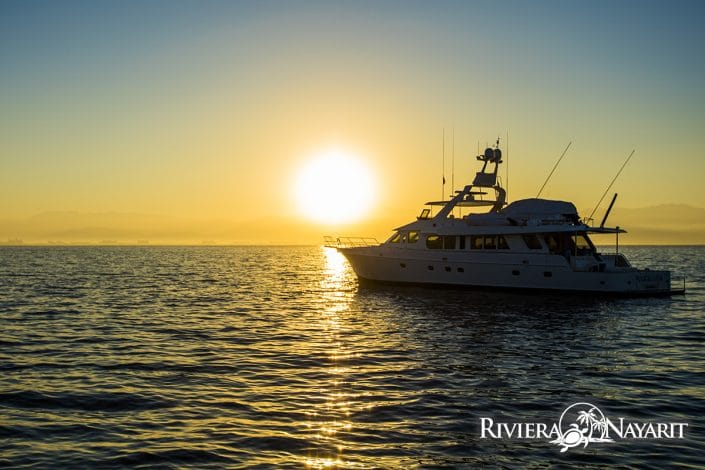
(274, 357)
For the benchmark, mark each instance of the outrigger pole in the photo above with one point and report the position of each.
(608, 187)
(609, 209)
(553, 169)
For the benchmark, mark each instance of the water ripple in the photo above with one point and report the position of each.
(264, 357)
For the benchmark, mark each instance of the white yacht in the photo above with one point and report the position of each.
(535, 244)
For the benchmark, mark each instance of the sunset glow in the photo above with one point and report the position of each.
(196, 122)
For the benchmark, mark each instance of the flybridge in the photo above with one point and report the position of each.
(472, 194)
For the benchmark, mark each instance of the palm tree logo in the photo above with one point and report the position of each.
(596, 424)
(589, 425)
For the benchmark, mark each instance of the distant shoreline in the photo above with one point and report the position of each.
(218, 245)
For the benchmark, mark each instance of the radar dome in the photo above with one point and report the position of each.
(489, 153)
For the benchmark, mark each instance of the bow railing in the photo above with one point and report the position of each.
(349, 242)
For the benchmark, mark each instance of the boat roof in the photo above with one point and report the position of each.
(460, 227)
(534, 208)
(462, 203)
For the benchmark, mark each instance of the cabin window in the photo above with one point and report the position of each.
(425, 214)
(462, 243)
(476, 242)
(621, 262)
(396, 238)
(583, 246)
(413, 236)
(532, 241)
(434, 242)
(582, 242)
(552, 243)
(490, 242)
(449, 242)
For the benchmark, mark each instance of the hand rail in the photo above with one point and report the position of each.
(349, 242)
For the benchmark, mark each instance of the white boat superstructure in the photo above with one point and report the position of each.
(528, 244)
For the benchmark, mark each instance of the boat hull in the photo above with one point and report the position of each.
(501, 271)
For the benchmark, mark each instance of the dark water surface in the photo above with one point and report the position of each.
(274, 357)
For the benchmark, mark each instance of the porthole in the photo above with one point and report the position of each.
(461, 270)
(515, 272)
(430, 268)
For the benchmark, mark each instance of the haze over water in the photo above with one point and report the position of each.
(274, 356)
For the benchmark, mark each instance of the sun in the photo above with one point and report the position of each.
(334, 188)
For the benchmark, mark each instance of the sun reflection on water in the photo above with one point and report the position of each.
(336, 272)
(329, 419)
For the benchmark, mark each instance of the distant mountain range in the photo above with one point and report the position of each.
(136, 228)
(662, 224)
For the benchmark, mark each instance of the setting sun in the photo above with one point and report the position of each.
(334, 188)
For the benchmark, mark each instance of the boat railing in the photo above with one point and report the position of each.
(349, 242)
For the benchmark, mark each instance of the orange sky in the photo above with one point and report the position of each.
(190, 123)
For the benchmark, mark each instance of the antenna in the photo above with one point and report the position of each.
(452, 173)
(443, 173)
(613, 180)
(506, 168)
(553, 169)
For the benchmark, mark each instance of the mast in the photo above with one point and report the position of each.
(506, 167)
(452, 168)
(486, 178)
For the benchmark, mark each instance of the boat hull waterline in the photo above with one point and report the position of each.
(373, 266)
